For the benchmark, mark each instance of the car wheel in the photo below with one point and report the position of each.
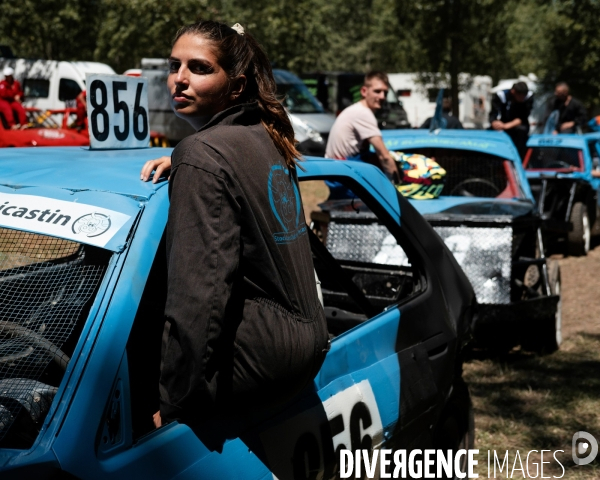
(551, 333)
(578, 239)
(456, 428)
(546, 335)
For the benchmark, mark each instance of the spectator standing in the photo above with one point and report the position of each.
(510, 113)
(11, 96)
(572, 115)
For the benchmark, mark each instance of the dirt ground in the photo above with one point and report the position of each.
(525, 402)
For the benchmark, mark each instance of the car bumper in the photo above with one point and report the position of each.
(494, 323)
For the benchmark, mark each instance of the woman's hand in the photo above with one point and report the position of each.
(157, 420)
(162, 164)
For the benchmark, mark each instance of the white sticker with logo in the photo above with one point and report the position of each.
(310, 441)
(74, 221)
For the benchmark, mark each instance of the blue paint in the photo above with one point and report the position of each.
(69, 436)
(579, 142)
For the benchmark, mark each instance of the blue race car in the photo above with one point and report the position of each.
(559, 169)
(82, 282)
(487, 215)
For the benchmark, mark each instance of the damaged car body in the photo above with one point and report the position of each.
(487, 216)
(559, 169)
(82, 277)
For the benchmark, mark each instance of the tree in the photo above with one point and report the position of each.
(133, 29)
(574, 47)
(49, 29)
(454, 36)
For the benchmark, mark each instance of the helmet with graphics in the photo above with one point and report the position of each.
(421, 177)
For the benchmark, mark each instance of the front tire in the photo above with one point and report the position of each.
(546, 335)
(578, 239)
(551, 334)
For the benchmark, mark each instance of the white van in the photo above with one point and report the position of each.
(52, 84)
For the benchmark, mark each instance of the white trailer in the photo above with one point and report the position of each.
(419, 99)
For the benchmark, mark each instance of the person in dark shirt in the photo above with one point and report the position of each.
(244, 330)
(572, 115)
(451, 122)
(510, 113)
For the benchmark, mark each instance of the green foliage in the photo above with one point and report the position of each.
(503, 38)
(132, 29)
(575, 47)
(50, 29)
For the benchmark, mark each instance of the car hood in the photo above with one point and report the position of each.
(461, 206)
(321, 122)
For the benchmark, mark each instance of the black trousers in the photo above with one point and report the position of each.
(519, 135)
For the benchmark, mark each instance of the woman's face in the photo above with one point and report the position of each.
(198, 85)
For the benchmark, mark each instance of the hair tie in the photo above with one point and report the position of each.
(238, 28)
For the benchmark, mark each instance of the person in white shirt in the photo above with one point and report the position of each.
(355, 130)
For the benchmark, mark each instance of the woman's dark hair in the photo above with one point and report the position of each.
(240, 54)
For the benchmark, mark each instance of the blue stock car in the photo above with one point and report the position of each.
(487, 216)
(559, 169)
(82, 282)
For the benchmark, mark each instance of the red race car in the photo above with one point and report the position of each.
(44, 131)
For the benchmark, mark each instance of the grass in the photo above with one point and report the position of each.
(524, 402)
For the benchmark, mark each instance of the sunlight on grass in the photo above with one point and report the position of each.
(524, 402)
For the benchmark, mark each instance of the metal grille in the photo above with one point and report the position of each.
(485, 255)
(45, 284)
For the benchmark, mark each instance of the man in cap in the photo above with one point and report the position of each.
(510, 113)
(11, 96)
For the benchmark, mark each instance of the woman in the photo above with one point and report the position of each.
(244, 327)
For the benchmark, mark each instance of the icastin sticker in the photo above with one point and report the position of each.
(74, 221)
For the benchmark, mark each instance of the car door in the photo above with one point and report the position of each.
(384, 380)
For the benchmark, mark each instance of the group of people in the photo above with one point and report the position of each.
(511, 109)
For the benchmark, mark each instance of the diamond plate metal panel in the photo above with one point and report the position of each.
(369, 243)
(485, 255)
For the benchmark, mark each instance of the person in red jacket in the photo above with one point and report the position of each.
(11, 96)
(81, 122)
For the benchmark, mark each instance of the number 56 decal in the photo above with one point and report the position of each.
(307, 446)
(117, 108)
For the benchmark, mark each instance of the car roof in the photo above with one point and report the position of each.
(563, 140)
(80, 169)
(492, 142)
(285, 76)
